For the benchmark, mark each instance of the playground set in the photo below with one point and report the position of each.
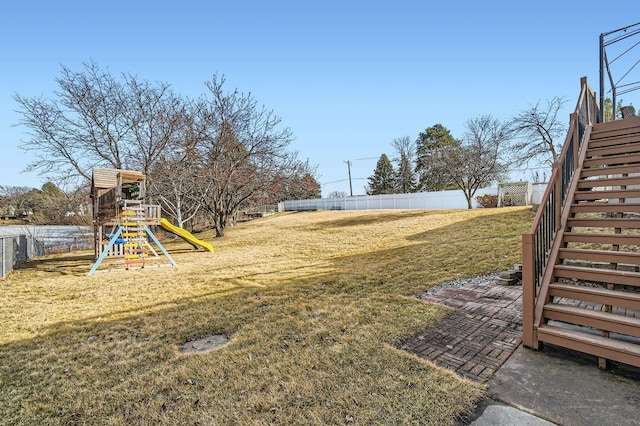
(121, 220)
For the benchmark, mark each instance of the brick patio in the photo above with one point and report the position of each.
(479, 336)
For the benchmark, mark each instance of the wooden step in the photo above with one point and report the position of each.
(609, 181)
(619, 298)
(615, 128)
(131, 228)
(600, 207)
(135, 256)
(621, 239)
(616, 350)
(606, 194)
(133, 245)
(134, 226)
(136, 250)
(626, 139)
(613, 160)
(610, 276)
(133, 236)
(592, 318)
(609, 171)
(135, 261)
(610, 222)
(632, 145)
(608, 256)
(134, 239)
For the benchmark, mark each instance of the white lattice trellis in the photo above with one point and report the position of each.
(514, 194)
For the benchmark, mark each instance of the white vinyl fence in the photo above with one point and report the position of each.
(17, 249)
(419, 201)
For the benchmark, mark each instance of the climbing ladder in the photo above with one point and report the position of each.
(133, 233)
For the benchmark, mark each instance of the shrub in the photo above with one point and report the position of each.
(487, 201)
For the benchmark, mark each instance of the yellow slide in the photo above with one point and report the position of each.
(185, 235)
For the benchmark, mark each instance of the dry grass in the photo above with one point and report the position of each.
(314, 304)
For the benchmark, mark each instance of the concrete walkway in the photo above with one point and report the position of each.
(481, 339)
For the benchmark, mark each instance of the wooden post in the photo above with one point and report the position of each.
(575, 121)
(557, 211)
(587, 99)
(529, 337)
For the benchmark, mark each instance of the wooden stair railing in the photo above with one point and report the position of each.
(581, 259)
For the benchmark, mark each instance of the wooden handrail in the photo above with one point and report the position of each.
(540, 245)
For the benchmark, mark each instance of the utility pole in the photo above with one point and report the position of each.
(349, 169)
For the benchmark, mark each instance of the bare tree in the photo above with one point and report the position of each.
(173, 185)
(338, 194)
(96, 119)
(479, 160)
(298, 182)
(16, 200)
(241, 150)
(209, 156)
(49, 205)
(538, 176)
(157, 118)
(539, 133)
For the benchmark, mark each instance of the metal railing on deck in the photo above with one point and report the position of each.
(538, 242)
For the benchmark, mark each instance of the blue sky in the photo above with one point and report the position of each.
(347, 77)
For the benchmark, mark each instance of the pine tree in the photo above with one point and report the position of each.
(383, 179)
(429, 148)
(405, 176)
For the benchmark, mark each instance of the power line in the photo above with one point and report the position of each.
(341, 180)
(349, 170)
(334, 181)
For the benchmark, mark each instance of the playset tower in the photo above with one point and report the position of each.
(121, 219)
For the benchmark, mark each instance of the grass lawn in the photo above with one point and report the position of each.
(314, 304)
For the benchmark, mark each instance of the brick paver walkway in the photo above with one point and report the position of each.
(479, 336)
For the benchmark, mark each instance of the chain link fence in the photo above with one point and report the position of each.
(17, 249)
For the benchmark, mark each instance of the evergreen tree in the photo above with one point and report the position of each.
(608, 109)
(405, 178)
(429, 148)
(383, 179)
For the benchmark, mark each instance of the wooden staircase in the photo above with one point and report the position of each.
(583, 280)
